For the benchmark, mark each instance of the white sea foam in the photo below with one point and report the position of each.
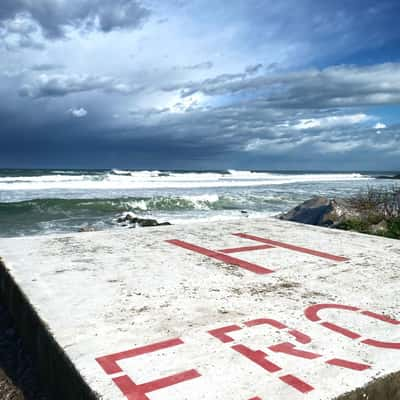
(158, 180)
(227, 216)
(137, 205)
(120, 172)
(204, 198)
(44, 178)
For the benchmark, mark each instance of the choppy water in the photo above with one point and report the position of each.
(55, 201)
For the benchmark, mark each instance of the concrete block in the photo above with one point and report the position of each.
(239, 310)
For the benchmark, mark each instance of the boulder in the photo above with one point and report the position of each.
(321, 211)
(143, 222)
(126, 217)
(376, 212)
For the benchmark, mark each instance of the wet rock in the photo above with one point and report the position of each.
(87, 229)
(133, 221)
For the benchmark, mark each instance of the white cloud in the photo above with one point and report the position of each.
(58, 85)
(380, 125)
(331, 122)
(78, 112)
(20, 33)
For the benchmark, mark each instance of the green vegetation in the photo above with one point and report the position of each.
(376, 211)
(354, 224)
(394, 228)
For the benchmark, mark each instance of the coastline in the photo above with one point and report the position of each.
(239, 293)
(373, 211)
(63, 201)
(19, 374)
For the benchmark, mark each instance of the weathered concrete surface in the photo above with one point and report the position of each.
(128, 309)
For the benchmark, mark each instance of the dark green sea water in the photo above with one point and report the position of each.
(57, 201)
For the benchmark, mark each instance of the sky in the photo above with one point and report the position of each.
(200, 84)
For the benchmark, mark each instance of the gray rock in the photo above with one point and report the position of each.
(87, 228)
(320, 211)
(134, 221)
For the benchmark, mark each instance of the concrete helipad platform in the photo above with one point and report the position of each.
(241, 310)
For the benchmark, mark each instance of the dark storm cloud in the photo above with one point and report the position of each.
(228, 135)
(84, 142)
(145, 113)
(338, 86)
(249, 132)
(275, 93)
(54, 16)
(240, 125)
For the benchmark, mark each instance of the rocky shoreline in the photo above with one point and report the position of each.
(131, 220)
(320, 211)
(373, 212)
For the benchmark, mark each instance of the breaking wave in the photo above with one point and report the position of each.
(121, 179)
(67, 207)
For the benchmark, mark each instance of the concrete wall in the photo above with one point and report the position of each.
(56, 372)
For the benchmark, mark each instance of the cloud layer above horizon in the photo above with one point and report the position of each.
(199, 84)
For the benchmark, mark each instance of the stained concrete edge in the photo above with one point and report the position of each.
(384, 388)
(56, 372)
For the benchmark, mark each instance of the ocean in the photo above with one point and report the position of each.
(34, 202)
